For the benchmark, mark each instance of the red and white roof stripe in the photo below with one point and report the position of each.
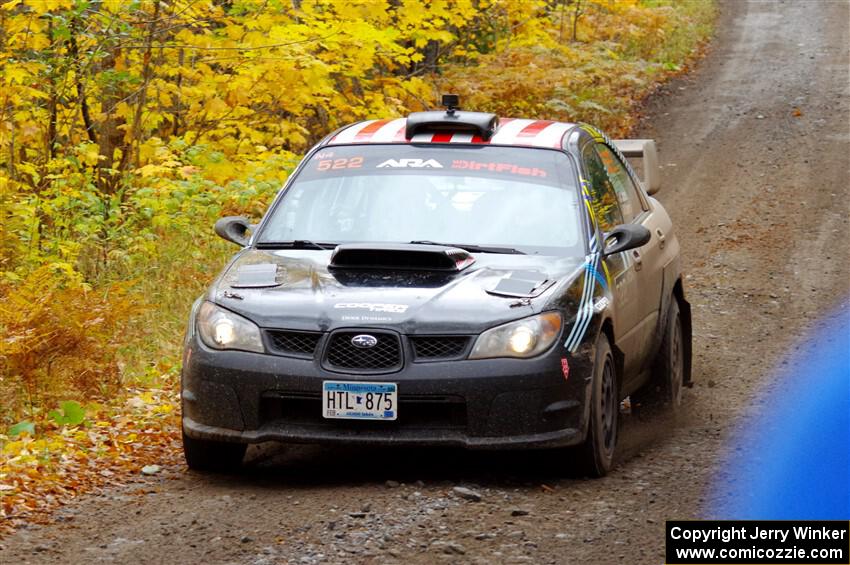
(531, 133)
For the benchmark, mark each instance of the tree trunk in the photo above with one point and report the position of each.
(147, 73)
(52, 110)
(576, 15)
(74, 52)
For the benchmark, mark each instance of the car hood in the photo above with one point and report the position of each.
(296, 289)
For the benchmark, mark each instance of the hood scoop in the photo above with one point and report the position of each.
(400, 256)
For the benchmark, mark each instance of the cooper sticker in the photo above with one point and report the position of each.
(373, 307)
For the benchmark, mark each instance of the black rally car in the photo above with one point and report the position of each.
(449, 278)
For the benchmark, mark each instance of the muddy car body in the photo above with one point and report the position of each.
(448, 278)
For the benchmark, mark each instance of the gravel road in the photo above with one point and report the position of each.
(756, 152)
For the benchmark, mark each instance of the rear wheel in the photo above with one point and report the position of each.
(209, 455)
(596, 454)
(668, 372)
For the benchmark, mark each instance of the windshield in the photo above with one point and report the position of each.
(520, 198)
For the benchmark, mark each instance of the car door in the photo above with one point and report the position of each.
(619, 267)
(646, 260)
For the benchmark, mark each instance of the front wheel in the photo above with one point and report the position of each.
(596, 455)
(209, 455)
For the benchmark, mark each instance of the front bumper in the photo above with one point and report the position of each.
(495, 403)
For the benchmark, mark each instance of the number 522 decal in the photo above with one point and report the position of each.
(336, 164)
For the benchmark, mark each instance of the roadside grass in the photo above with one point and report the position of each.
(168, 287)
(693, 25)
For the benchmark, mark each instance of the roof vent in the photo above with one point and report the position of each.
(452, 120)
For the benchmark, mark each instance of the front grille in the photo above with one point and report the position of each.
(383, 357)
(299, 344)
(438, 347)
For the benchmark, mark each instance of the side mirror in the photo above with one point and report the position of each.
(234, 229)
(625, 236)
(643, 149)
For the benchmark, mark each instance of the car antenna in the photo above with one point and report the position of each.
(451, 102)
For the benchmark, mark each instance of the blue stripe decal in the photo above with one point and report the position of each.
(574, 337)
(584, 314)
(597, 275)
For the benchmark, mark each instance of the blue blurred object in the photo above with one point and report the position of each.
(790, 461)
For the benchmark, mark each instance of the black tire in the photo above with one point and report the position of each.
(595, 457)
(664, 390)
(209, 455)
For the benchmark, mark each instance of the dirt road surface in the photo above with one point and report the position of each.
(756, 152)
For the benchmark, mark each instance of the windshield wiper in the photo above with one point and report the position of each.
(295, 244)
(471, 248)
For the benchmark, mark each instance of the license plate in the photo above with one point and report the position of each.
(359, 401)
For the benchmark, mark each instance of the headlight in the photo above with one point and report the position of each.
(523, 338)
(222, 329)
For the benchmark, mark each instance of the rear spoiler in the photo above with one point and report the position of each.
(646, 150)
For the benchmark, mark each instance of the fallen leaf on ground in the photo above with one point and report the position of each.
(42, 472)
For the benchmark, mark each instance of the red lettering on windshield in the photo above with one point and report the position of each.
(498, 168)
